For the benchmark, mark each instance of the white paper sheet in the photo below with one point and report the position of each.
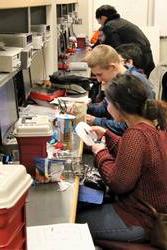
(65, 236)
(83, 130)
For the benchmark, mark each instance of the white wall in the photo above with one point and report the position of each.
(163, 50)
(129, 9)
(160, 16)
(152, 33)
(85, 11)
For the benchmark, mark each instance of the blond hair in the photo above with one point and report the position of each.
(102, 55)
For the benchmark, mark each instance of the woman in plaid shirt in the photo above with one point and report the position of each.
(133, 166)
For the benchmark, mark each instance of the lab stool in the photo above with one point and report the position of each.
(118, 245)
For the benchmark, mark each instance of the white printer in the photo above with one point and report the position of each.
(10, 59)
(17, 40)
(26, 57)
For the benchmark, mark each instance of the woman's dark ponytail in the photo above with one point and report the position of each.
(156, 111)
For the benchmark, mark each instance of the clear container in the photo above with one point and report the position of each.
(65, 128)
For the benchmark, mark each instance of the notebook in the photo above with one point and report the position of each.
(64, 236)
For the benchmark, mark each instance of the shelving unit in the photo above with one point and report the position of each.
(49, 54)
(49, 51)
(7, 4)
(44, 61)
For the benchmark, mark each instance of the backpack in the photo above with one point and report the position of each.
(72, 83)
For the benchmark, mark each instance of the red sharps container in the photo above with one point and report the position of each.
(32, 134)
(14, 185)
(81, 41)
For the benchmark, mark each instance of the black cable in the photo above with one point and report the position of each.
(44, 64)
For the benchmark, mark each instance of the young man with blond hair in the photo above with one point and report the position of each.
(105, 64)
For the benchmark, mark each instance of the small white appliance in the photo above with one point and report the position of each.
(16, 40)
(78, 66)
(10, 59)
(26, 57)
(42, 29)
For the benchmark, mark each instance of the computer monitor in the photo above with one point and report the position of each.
(8, 108)
(27, 81)
(14, 20)
(23, 85)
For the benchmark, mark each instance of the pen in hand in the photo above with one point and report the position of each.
(91, 134)
(86, 131)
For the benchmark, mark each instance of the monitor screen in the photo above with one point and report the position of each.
(8, 108)
(14, 21)
(27, 81)
(23, 85)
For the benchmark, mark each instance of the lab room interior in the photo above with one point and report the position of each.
(83, 125)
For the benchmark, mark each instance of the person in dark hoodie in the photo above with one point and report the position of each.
(117, 31)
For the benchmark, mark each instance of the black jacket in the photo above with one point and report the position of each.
(120, 31)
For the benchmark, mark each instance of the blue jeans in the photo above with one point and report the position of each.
(105, 224)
